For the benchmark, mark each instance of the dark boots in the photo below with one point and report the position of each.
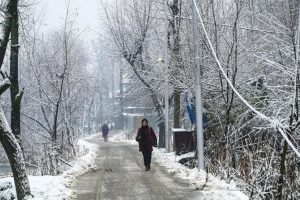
(147, 167)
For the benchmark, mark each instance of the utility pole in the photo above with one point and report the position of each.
(196, 59)
(167, 137)
(121, 94)
(113, 86)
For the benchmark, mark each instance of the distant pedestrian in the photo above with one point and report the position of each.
(105, 130)
(146, 139)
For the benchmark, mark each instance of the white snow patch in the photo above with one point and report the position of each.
(212, 187)
(42, 188)
(179, 130)
(55, 187)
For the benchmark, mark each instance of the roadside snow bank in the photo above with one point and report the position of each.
(42, 188)
(212, 187)
(80, 166)
(55, 187)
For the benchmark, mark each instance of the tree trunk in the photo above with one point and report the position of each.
(161, 138)
(90, 117)
(14, 154)
(176, 108)
(175, 49)
(282, 170)
(16, 96)
(7, 138)
(6, 27)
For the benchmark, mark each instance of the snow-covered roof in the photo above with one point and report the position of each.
(133, 107)
(133, 114)
(180, 130)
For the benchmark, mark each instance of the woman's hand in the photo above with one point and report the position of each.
(138, 138)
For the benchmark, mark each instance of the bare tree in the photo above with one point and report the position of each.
(56, 75)
(8, 140)
(130, 30)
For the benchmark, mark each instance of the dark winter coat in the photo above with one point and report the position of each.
(105, 129)
(146, 138)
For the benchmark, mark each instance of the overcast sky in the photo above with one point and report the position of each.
(87, 14)
(87, 19)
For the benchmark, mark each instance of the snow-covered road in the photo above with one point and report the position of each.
(119, 175)
(114, 170)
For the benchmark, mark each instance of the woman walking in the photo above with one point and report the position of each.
(146, 139)
(105, 130)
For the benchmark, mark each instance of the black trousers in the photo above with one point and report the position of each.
(147, 157)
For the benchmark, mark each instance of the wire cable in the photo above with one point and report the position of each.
(275, 122)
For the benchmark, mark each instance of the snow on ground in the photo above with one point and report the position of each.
(60, 187)
(213, 188)
(42, 187)
(55, 187)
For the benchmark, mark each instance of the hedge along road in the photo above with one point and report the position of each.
(120, 175)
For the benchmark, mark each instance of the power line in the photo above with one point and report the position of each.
(275, 122)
